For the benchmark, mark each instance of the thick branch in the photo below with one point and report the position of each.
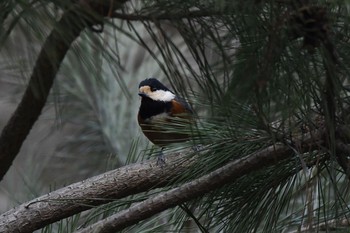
(95, 191)
(197, 188)
(138, 178)
(193, 189)
(48, 62)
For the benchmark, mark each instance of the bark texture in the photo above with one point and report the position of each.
(92, 192)
(193, 189)
(199, 187)
(141, 177)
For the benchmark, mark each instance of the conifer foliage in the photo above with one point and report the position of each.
(268, 81)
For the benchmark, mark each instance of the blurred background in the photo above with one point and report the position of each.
(90, 121)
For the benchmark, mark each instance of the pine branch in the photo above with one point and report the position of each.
(168, 16)
(48, 62)
(199, 187)
(141, 177)
(98, 190)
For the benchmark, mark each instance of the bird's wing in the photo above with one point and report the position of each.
(180, 106)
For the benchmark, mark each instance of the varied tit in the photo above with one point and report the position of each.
(159, 107)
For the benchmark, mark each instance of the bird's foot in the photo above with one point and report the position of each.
(161, 158)
(198, 148)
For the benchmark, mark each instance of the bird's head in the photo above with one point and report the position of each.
(152, 89)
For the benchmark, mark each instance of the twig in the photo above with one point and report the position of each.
(168, 16)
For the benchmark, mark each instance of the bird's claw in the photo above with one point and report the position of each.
(161, 158)
(197, 148)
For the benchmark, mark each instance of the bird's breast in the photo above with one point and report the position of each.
(156, 118)
(156, 129)
(161, 121)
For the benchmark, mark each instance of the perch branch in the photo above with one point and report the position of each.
(92, 192)
(199, 187)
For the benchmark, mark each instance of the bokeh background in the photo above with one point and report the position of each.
(90, 121)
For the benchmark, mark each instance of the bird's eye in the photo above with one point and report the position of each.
(153, 89)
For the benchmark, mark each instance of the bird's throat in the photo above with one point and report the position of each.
(150, 108)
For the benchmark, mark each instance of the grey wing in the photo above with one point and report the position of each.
(185, 104)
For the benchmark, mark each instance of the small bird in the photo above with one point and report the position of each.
(161, 107)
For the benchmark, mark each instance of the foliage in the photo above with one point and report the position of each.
(257, 73)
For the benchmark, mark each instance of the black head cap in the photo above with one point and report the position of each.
(154, 84)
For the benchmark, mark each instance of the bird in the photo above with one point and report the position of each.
(161, 109)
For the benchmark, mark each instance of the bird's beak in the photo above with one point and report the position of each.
(142, 94)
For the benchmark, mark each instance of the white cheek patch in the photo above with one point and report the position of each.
(161, 95)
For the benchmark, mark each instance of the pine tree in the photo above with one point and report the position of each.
(267, 80)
